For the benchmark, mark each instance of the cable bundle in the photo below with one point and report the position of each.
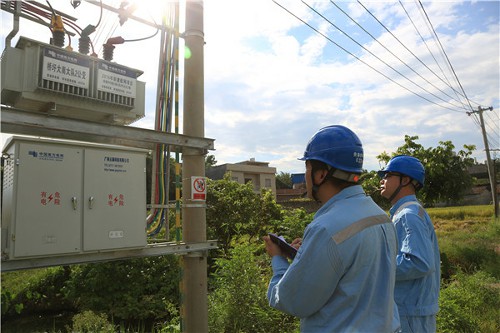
(167, 94)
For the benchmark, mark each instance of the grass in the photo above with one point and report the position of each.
(469, 239)
(461, 213)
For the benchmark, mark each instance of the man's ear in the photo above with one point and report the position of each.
(405, 180)
(320, 175)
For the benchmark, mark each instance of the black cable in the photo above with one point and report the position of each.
(496, 138)
(364, 48)
(435, 60)
(356, 57)
(404, 63)
(100, 17)
(451, 66)
(144, 38)
(50, 6)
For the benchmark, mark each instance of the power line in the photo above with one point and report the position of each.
(449, 62)
(353, 55)
(477, 121)
(392, 53)
(390, 32)
(432, 54)
(359, 59)
(433, 33)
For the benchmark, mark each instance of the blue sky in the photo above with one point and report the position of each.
(271, 81)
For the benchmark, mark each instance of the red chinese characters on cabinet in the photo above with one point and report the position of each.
(47, 198)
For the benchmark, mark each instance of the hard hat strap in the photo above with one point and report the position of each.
(343, 175)
(400, 186)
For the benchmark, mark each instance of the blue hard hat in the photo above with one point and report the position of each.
(406, 165)
(336, 146)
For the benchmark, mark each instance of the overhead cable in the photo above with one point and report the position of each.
(441, 45)
(447, 82)
(385, 63)
(392, 53)
(359, 59)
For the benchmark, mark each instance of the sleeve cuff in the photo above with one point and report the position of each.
(279, 263)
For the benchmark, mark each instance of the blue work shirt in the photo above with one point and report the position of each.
(418, 271)
(342, 278)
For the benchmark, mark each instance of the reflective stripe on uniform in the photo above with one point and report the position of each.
(359, 226)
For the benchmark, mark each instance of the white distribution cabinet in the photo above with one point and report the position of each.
(64, 197)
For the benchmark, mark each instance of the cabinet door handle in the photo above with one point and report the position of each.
(91, 202)
(75, 203)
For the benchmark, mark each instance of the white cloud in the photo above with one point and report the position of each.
(271, 81)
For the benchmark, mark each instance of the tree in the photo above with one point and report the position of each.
(210, 161)
(371, 184)
(234, 209)
(446, 177)
(283, 180)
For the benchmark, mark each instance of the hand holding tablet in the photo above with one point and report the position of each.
(288, 250)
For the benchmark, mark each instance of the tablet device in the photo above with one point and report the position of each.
(288, 250)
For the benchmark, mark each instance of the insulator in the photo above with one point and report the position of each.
(58, 38)
(75, 3)
(107, 50)
(84, 44)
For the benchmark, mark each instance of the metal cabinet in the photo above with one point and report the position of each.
(64, 197)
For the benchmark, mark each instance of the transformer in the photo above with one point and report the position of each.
(45, 78)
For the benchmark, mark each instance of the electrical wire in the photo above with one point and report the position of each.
(143, 38)
(166, 94)
(444, 52)
(427, 20)
(392, 53)
(488, 136)
(371, 14)
(362, 61)
(447, 82)
(458, 93)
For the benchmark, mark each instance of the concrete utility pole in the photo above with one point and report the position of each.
(194, 310)
(491, 168)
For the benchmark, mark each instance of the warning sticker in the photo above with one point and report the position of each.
(198, 188)
(116, 200)
(47, 198)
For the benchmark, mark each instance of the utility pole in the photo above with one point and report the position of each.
(491, 168)
(194, 307)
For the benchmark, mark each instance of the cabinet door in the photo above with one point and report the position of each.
(48, 200)
(115, 199)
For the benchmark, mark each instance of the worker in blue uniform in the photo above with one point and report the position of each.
(418, 260)
(342, 277)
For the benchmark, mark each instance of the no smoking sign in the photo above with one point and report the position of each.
(198, 188)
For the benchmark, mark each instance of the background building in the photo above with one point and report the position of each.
(260, 174)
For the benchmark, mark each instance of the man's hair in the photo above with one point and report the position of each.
(318, 165)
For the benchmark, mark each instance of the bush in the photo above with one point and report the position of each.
(39, 293)
(471, 303)
(90, 322)
(238, 301)
(134, 292)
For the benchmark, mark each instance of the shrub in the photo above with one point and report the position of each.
(134, 292)
(90, 322)
(470, 303)
(238, 301)
(40, 293)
